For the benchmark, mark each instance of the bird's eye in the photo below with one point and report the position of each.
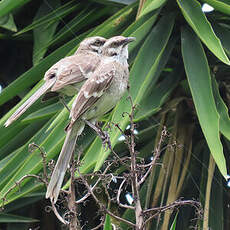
(52, 75)
(97, 43)
(114, 54)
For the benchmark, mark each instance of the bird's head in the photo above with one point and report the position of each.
(92, 44)
(117, 48)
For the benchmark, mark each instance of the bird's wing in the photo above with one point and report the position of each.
(91, 91)
(76, 69)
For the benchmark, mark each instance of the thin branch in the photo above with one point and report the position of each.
(145, 176)
(118, 197)
(17, 183)
(58, 215)
(101, 205)
(134, 174)
(173, 205)
(32, 146)
(98, 226)
(93, 187)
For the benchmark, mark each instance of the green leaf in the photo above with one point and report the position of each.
(85, 18)
(22, 202)
(29, 188)
(44, 34)
(43, 113)
(52, 17)
(224, 35)
(151, 6)
(117, 23)
(140, 28)
(107, 225)
(10, 218)
(216, 203)
(7, 6)
(173, 226)
(157, 95)
(220, 5)
(7, 22)
(23, 162)
(115, 2)
(141, 75)
(198, 74)
(18, 135)
(192, 12)
(222, 110)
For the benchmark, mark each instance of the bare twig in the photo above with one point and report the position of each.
(119, 194)
(134, 174)
(17, 184)
(145, 176)
(98, 226)
(94, 186)
(102, 207)
(175, 204)
(43, 154)
(58, 215)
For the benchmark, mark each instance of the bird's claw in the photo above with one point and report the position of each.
(105, 140)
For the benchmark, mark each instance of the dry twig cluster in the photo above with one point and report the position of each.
(135, 173)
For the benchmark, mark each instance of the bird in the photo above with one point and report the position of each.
(68, 74)
(98, 95)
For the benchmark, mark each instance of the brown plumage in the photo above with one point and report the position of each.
(68, 74)
(99, 94)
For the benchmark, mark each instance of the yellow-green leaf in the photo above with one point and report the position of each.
(198, 74)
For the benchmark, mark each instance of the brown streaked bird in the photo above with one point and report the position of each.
(99, 94)
(67, 75)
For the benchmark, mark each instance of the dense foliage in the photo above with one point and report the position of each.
(179, 70)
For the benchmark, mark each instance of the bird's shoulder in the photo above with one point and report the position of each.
(79, 65)
(74, 69)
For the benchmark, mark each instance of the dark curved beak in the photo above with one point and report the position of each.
(129, 39)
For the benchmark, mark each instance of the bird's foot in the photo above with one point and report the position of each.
(105, 139)
(102, 134)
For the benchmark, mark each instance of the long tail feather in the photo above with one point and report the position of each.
(58, 174)
(44, 88)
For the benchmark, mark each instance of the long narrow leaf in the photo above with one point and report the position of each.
(198, 74)
(8, 23)
(44, 34)
(222, 110)
(151, 6)
(192, 12)
(224, 34)
(9, 218)
(55, 15)
(8, 6)
(107, 225)
(220, 5)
